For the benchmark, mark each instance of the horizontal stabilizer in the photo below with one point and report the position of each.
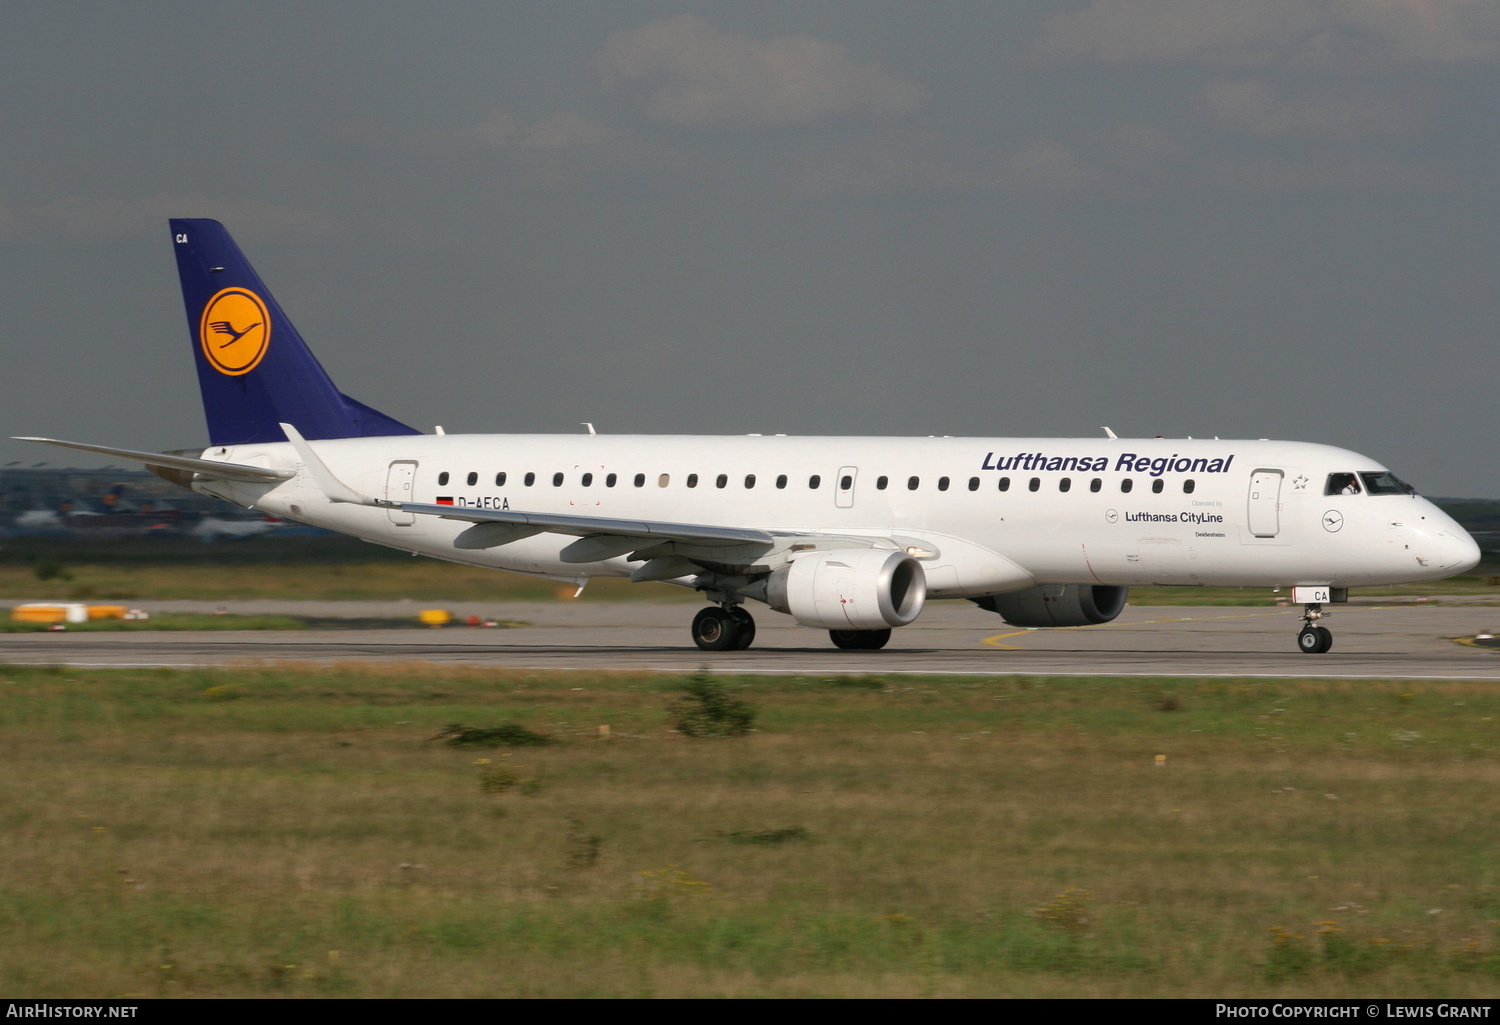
(204, 467)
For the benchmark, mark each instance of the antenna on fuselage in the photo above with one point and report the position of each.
(1110, 434)
(590, 426)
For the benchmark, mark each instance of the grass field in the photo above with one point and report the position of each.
(297, 831)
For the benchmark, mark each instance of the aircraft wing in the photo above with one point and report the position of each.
(206, 467)
(586, 526)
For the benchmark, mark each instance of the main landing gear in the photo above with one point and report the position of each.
(726, 628)
(1314, 639)
(861, 640)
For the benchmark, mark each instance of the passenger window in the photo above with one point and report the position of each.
(1157, 485)
(1342, 484)
(881, 483)
(721, 481)
(609, 481)
(1004, 483)
(781, 481)
(663, 480)
(443, 479)
(473, 478)
(1036, 484)
(640, 480)
(1095, 484)
(973, 483)
(500, 479)
(557, 480)
(530, 479)
(749, 481)
(846, 482)
(1189, 486)
(692, 480)
(1126, 485)
(912, 483)
(814, 481)
(588, 480)
(1066, 484)
(942, 483)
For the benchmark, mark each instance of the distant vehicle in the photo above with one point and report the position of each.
(211, 528)
(850, 535)
(40, 520)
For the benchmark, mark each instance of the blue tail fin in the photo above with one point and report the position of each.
(254, 370)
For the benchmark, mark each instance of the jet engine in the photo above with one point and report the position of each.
(1057, 605)
(849, 589)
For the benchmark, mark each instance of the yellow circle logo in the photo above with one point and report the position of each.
(235, 331)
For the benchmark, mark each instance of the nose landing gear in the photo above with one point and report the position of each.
(1313, 639)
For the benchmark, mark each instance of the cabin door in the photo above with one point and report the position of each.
(398, 488)
(1265, 503)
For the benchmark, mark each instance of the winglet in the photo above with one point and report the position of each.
(333, 489)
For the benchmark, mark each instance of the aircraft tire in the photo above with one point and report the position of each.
(715, 630)
(744, 623)
(1314, 640)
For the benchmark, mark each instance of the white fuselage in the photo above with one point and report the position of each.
(1234, 513)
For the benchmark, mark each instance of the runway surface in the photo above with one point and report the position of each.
(1390, 641)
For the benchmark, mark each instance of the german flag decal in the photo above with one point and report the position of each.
(444, 501)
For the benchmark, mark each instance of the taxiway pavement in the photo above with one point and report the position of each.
(1398, 641)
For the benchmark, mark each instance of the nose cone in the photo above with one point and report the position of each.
(1457, 551)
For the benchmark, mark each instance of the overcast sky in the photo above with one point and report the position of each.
(1243, 218)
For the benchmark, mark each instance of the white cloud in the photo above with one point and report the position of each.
(1250, 107)
(1251, 33)
(686, 72)
(83, 217)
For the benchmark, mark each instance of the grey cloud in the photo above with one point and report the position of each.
(686, 72)
(566, 149)
(1341, 173)
(882, 165)
(1048, 166)
(96, 218)
(1249, 33)
(1252, 108)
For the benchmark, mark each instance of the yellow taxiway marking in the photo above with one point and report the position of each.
(995, 641)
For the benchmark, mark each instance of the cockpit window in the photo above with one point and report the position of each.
(1342, 484)
(1386, 483)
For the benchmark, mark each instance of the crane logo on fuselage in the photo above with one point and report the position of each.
(235, 331)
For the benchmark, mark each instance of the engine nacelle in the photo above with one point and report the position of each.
(850, 589)
(1058, 605)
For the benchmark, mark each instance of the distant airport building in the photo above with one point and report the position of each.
(114, 502)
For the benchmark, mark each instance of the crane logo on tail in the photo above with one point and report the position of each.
(235, 331)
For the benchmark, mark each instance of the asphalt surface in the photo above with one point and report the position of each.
(1405, 641)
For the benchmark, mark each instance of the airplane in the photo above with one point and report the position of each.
(852, 535)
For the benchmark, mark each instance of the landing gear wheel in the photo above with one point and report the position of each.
(860, 640)
(744, 623)
(1314, 640)
(715, 630)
